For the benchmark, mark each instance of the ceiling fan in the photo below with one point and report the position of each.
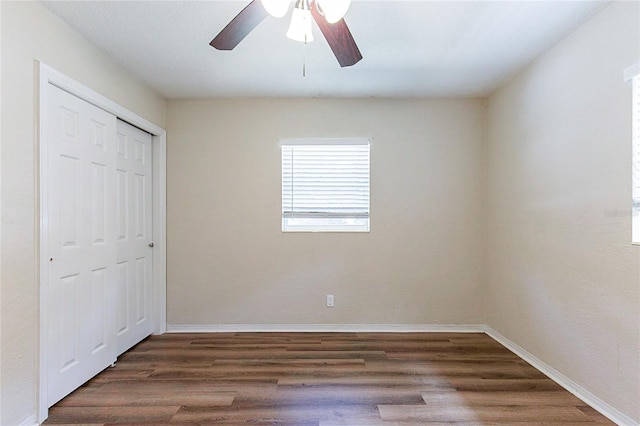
(328, 14)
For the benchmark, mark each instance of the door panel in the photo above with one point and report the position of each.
(81, 242)
(134, 232)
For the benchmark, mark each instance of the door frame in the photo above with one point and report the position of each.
(49, 76)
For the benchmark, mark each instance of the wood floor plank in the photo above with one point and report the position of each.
(107, 414)
(426, 383)
(505, 413)
(534, 398)
(458, 356)
(139, 393)
(328, 379)
(197, 374)
(199, 353)
(277, 414)
(124, 374)
(289, 362)
(241, 388)
(512, 385)
(334, 396)
(221, 371)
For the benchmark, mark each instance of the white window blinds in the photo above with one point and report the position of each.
(325, 185)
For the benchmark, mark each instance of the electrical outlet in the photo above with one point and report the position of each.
(329, 300)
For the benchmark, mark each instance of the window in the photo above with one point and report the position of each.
(325, 185)
(636, 159)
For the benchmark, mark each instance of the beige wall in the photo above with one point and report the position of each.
(229, 262)
(29, 33)
(563, 280)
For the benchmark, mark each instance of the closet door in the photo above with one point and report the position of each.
(81, 242)
(133, 236)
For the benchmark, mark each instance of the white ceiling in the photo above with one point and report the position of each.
(410, 48)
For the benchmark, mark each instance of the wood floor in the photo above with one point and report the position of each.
(322, 379)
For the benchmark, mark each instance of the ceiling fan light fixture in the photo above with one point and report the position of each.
(276, 8)
(334, 10)
(300, 28)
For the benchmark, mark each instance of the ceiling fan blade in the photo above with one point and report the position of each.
(240, 26)
(339, 38)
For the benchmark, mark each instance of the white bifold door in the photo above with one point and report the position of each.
(98, 224)
(133, 235)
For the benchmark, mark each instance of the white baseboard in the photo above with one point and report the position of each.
(590, 399)
(339, 328)
(29, 421)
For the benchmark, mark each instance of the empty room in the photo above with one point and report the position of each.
(320, 212)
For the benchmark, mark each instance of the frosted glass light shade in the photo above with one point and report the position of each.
(276, 8)
(300, 27)
(334, 10)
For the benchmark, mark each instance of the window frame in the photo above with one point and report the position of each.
(287, 227)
